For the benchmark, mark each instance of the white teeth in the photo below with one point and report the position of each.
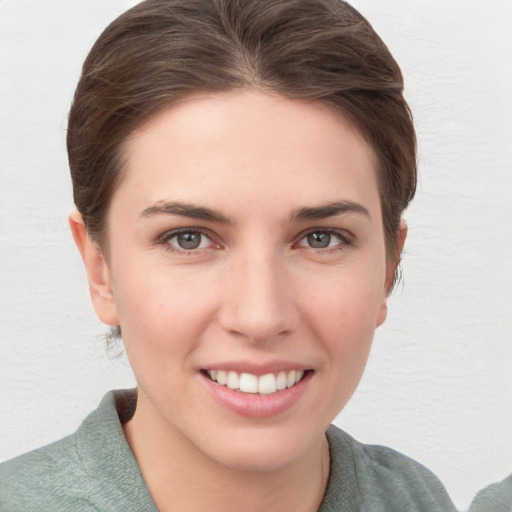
(267, 384)
(233, 380)
(249, 383)
(281, 381)
(222, 377)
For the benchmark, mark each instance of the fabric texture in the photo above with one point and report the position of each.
(94, 470)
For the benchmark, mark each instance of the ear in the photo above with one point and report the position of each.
(98, 273)
(391, 268)
(394, 259)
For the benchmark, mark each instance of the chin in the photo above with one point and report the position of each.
(259, 450)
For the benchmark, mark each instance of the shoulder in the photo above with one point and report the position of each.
(92, 469)
(384, 478)
(45, 476)
(496, 497)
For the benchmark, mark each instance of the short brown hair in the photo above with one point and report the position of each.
(162, 51)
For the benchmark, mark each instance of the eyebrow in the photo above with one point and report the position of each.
(301, 214)
(329, 210)
(185, 210)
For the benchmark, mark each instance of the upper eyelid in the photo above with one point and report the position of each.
(171, 233)
(343, 233)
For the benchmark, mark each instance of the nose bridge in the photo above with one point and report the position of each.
(257, 302)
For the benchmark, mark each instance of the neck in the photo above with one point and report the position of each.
(180, 477)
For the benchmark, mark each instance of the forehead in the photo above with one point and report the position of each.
(246, 144)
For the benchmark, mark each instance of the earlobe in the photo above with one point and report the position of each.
(383, 312)
(98, 273)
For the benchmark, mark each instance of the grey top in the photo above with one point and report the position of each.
(95, 470)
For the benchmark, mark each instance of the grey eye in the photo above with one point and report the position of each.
(319, 240)
(189, 241)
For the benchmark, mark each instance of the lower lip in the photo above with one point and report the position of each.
(254, 405)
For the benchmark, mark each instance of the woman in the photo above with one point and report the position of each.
(240, 170)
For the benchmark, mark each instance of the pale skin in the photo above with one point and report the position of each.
(285, 265)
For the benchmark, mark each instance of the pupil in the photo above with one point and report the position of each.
(319, 240)
(189, 240)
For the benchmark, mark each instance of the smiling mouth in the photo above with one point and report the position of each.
(250, 383)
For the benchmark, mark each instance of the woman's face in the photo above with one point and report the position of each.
(246, 244)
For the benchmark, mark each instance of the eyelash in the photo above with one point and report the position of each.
(344, 238)
(166, 237)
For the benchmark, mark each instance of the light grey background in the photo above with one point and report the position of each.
(439, 383)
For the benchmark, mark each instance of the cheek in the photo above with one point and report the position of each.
(346, 323)
(345, 311)
(161, 309)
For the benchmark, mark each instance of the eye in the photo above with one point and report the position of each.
(319, 240)
(186, 241)
(324, 239)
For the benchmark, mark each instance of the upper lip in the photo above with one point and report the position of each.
(257, 368)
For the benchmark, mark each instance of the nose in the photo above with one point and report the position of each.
(258, 303)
